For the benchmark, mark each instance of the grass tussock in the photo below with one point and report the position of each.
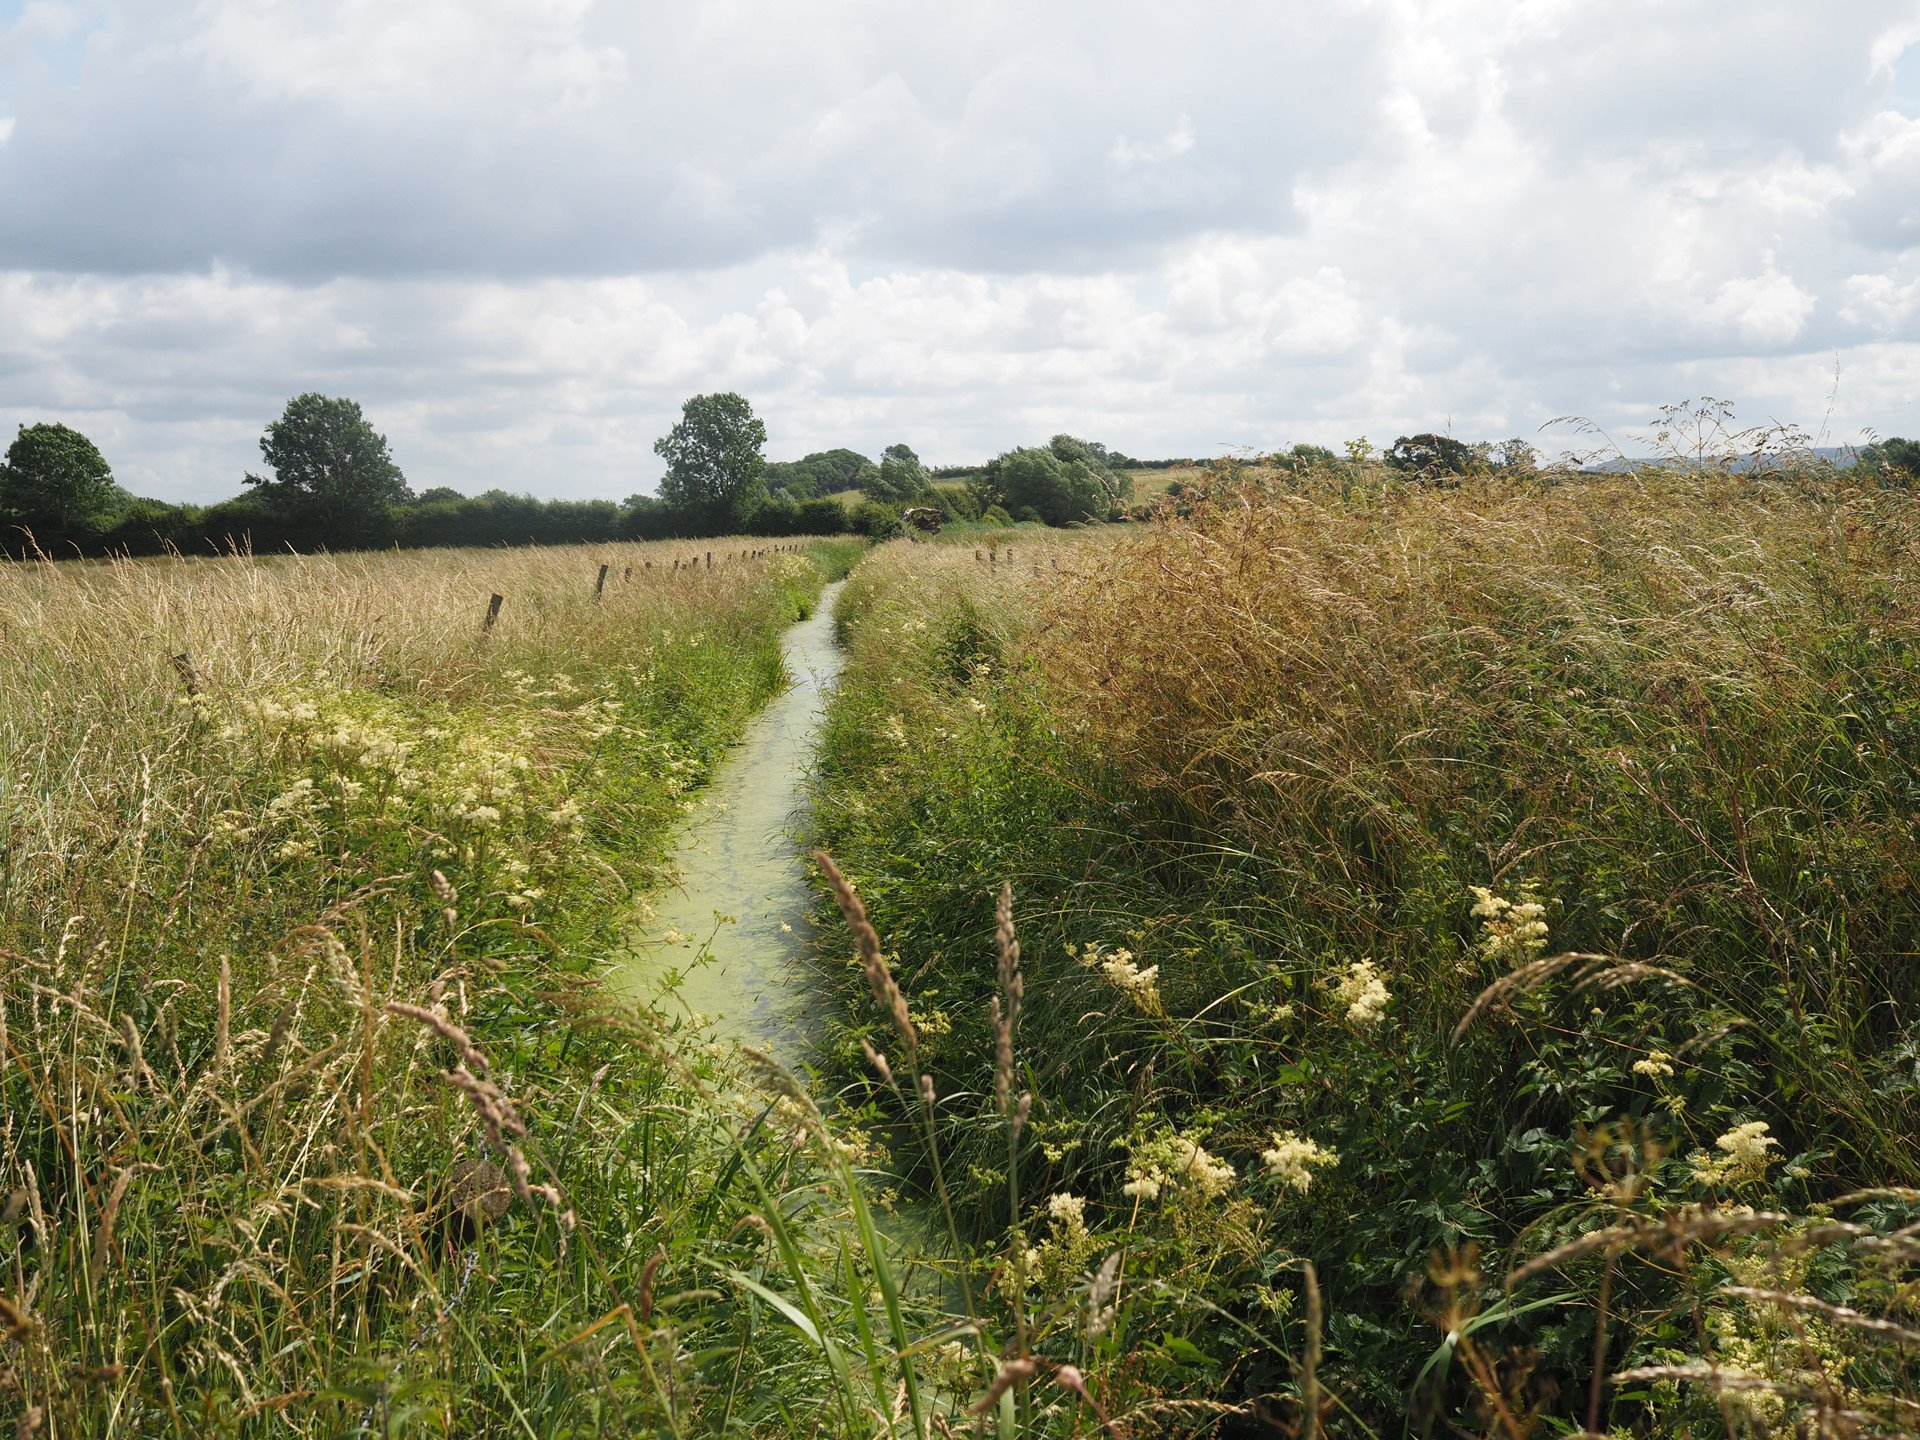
(1467, 944)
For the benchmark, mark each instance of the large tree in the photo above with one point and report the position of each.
(716, 460)
(1038, 482)
(1895, 461)
(825, 472)
(902, 477)
(1430, 456)
(331, 470)
(55, 483)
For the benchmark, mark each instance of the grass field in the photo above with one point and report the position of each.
(1468, 944)
(305, 874)
(1454, 973)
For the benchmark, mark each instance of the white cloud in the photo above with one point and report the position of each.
(521, 231)
(1170, 146)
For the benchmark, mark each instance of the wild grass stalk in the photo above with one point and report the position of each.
(1402, 869)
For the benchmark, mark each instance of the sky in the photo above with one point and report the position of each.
(521, 232)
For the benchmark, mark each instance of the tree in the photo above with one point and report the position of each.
(1895, 461)
(331, 471)
(1429, 456)
(1302, 458)
(902, 477)
(824, 472)
(1097, 461)
(1038, 481)
(56, 484)
(716, 465)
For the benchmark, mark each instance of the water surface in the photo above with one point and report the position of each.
(726, 942)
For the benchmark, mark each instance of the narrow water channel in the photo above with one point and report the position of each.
(726, 941)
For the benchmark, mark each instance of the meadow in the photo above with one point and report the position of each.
(1346, 957)
(1467, 937)
(306, 871)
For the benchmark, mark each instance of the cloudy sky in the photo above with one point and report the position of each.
(520, 232)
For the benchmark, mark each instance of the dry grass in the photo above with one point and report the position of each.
(1246, 768)
(293, 935)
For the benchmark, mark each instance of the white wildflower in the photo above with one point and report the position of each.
(1067, 1211)
(1514, 931)
(1744, 1155)
(1364, 994)
(1293, 1157)
(1139, 984)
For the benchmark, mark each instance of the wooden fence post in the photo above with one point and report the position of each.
(190, 677)
(600, 585)
(493, 614)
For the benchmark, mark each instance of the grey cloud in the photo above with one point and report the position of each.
(689, 142)
(521, 231)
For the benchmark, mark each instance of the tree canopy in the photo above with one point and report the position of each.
(1428, 455)
(331, 469)
(1894, 460)
(716, 461)
(902, 477)
(1062, 483)
(55, 483)
(825, 472)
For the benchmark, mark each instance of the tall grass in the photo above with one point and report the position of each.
(310, 1121)
(1584, 1127)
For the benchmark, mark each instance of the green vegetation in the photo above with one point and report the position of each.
(716, 465)
(332, 473)
(1466, 937)
(300, 913)
(55, 480)
(1349, 958)
(825, 472)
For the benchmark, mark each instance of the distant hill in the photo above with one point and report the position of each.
(1839, 455)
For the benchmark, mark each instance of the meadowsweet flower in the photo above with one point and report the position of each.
(1067, 1210)
(1657, 1065)
(1139, 984)
(1513, 932)
(1195, 1167)
(1364, 994)
(895, 729)
(1293, 1158)
(1176, 1163)
(1745, 1153)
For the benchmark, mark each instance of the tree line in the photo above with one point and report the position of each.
(330, 483)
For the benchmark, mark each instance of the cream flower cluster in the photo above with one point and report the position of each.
(1512, 932)
(1293, 1158)
(1176, 1163)
(1363, 993)
(1745, 1152)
